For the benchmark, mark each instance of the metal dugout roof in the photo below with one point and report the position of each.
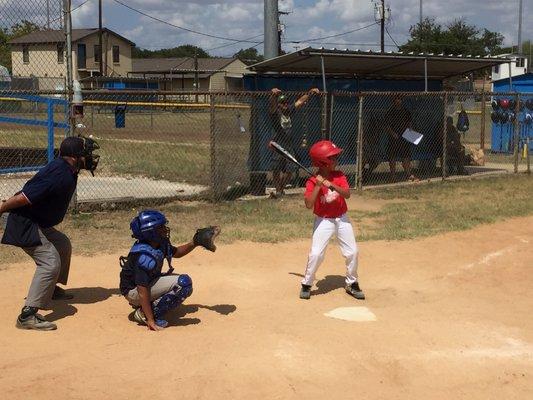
(376, 64)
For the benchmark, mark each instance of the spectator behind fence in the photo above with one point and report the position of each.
(397, 120)
(455, 151)
(281, 112)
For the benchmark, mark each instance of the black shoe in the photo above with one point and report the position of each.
(355, 291)
(61, 294)
(35, 321)
(305, 292)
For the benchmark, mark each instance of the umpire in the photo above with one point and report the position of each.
(33, 212)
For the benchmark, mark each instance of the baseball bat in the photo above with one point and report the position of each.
(284, 153)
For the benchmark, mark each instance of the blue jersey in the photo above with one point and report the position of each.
(143, 267)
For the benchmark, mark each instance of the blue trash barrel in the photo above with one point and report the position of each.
(120, 116)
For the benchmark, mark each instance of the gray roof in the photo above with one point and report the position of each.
(178, 65)
(376, 64)
(58, 36)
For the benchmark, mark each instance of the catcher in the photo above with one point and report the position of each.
(148, 290)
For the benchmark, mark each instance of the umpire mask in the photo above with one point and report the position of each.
(79, 147)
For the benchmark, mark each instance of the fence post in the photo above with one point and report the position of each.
(444, 137)
(324, 127)
(70, 79)
(516, 135)
(212, 148)
(482, 130)
(527, 156)
(359, 156)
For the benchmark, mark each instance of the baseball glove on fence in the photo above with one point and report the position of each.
(205, 237)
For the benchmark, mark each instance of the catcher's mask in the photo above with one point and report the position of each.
(150, 225)
(79, 147)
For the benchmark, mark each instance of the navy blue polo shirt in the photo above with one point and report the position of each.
(49, 193)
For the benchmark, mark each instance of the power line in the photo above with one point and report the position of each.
(391, 38)
(330, 36)
(181, 27)
(71, 11)
(240, 41)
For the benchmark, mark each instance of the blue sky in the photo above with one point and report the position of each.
(308, 19)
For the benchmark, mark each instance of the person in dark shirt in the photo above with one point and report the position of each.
(455, 150)
(281, 111)
(148, 290)
(33, 212)
(397, 120)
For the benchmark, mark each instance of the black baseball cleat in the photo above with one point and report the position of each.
(355, 291)
(305, 292)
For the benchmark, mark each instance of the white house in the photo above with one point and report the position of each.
(518, 66)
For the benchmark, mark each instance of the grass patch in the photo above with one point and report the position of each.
(406, 213)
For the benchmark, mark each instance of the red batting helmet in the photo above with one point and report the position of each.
(321, 151)
(504, 103)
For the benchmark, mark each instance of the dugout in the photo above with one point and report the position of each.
(334, 71)
(503, 130)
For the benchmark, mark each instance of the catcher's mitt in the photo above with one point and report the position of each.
(205, 237)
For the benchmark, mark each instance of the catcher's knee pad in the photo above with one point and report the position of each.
(179, 292)
(184, 286)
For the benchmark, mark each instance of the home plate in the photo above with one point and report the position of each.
(359, 314)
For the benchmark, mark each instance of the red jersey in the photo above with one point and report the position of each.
(329, 204)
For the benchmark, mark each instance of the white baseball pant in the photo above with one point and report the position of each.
(323, 230)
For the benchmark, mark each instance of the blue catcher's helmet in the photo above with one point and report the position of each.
(149, 225)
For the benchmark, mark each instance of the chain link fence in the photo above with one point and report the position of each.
(158, 146)
(33, 101)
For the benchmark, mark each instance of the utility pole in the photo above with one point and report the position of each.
(271, 18)
(196, 80)
(48, 14)
(421, 14)
(100, 37)
(280, 30)
(382, 18)
(519, 27)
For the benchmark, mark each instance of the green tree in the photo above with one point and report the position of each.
(457, 37)
(20, 29)
(249, 56)
(187, 50)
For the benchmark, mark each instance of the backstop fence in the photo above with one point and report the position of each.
(157, 147)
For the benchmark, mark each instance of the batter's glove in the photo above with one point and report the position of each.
(205, 237)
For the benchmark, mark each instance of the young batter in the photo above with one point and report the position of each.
(329, 207)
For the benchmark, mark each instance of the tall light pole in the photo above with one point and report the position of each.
(421, 14)
(520, 27)
(382, 18)
(271, 17)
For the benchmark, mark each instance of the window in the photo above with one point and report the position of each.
(520, 62)
(26, 54)
(60, 53)
(116, 54)
(97, 53)
(496, 69)
(82, 56)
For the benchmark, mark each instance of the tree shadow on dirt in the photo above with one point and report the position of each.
(84, 295)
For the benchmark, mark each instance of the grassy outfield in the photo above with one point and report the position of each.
(396, 213)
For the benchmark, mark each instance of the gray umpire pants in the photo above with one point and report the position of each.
(52, 258)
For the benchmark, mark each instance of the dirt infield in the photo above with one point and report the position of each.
(452, 321)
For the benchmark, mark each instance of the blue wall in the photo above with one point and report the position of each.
(427, 115)
(502, 134)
